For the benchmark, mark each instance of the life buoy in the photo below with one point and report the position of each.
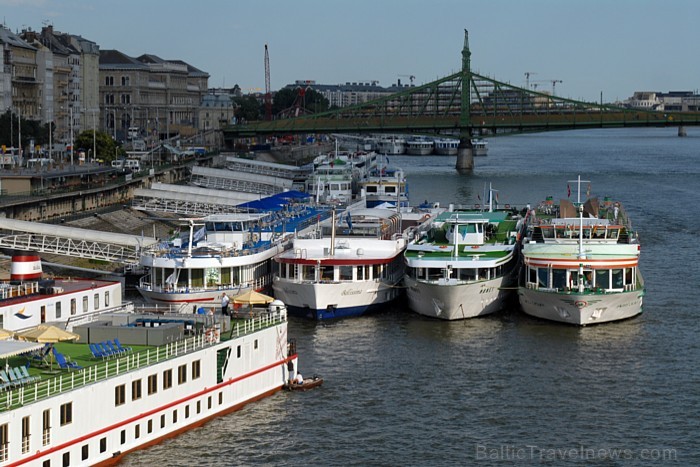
(477, 206)
(474, 247)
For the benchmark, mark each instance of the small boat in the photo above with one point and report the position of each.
(309, 383)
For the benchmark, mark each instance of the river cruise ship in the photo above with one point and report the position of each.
(581, 264)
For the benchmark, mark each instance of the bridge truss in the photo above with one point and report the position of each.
(466, 103)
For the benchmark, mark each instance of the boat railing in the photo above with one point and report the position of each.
(104, 370)
(20, 290)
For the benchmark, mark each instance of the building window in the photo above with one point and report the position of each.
(182, 374)
(46, 427)
(103, 445)
(4, 442)
(109, 80)
(120, 394)
(167, 379)
(125, 81)
(136, 390)
(85, 452)
(25, 435)
(58, 310)
(196, 369)
(66, 413)
(152, 384)
(96, 299)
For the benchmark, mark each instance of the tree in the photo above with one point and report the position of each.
(249, 108)
(104, 143)
(31, 130)
(289, 102)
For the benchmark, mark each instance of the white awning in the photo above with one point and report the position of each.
(12, 348)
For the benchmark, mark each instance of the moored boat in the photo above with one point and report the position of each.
(419, 146)
(465, 264)
(581, 263)
(351, 266)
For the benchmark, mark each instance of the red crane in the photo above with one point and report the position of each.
(268, 95)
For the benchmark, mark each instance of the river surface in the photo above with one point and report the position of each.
(401, 389)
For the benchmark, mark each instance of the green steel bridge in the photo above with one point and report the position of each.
(465, 104)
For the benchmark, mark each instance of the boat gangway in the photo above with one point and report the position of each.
(189, 200)
(222, 179)
(72, 241)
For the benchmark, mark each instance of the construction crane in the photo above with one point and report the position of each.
(410, 78)
(268, 94)
(527, 78)
(553, 81)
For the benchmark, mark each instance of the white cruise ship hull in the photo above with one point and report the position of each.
(581, 309)
(456, 300)
(334, 300)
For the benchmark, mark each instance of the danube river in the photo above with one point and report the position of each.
(507, 389)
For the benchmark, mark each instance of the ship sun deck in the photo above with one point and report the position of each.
(47, 379)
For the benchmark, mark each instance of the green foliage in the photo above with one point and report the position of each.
(286, 100)
(104, 143)
(31, 129)
(249, 108)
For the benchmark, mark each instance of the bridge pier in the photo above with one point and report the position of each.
(465, 155)
(681, 131)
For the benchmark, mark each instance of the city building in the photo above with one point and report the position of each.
(672, 101)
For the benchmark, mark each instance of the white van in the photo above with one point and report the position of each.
(133, 165)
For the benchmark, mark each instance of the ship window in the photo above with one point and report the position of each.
(103, 445)
(73, 306)
(532, 275)
(197, 277)
(25, 435)
(58, 310)
(371, 188)
(199, 406)
(255, 344)
(4, 442)
(221, 398)
(309, 273)
(66, 413)
(46, 427)
(152, 384)
(162, 421)
(85, 304)
(175, 416)
(85, 452)
(96, 298)
(326, 273)
(136, 390)
(196, 369)
(187, 411)
(238, 351)
(182, 374)
(559, 278)
(542, 279)
(209, 403)
(106, 298)
(122, 436)
(617, 279)
(119, 395)
(167, 379)
(345, 273)
(66, 459)
(389, 189)
(46, 463)
(149, 426)
(137, 431)
(602, 278)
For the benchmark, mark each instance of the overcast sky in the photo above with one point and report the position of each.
(611, 46)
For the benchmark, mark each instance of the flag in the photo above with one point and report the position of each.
(568, 191)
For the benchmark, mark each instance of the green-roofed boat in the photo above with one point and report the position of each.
(466, 263)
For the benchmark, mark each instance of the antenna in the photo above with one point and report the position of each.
(268, 95)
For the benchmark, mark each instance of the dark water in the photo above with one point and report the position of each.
(401, 389)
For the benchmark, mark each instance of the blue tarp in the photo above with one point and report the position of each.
(275, 202)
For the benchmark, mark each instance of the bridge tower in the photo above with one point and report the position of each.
(465, 151)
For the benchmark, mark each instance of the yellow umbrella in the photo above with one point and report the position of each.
(252, 298)
(5, 334)
(47, 333)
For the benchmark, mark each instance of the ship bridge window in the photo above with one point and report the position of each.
(434, 273)
(559, 278)
(466, 274)
(617, 279)
(345, 273)
(542, 279)
(371, 188)
(327, 273)
(602, 278)
(389, 189)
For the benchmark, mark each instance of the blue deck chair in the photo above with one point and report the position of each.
(106, 351)
(26, 376)
(120, 347)
(39, 357)
(96, 351)
(14, 379)
(112, 348)
(5, 382)
(63, 363)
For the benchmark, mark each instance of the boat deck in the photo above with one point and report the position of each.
(46, 378)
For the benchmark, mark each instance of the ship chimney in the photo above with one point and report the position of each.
(25, 266)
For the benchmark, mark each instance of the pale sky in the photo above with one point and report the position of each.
(611, 46)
